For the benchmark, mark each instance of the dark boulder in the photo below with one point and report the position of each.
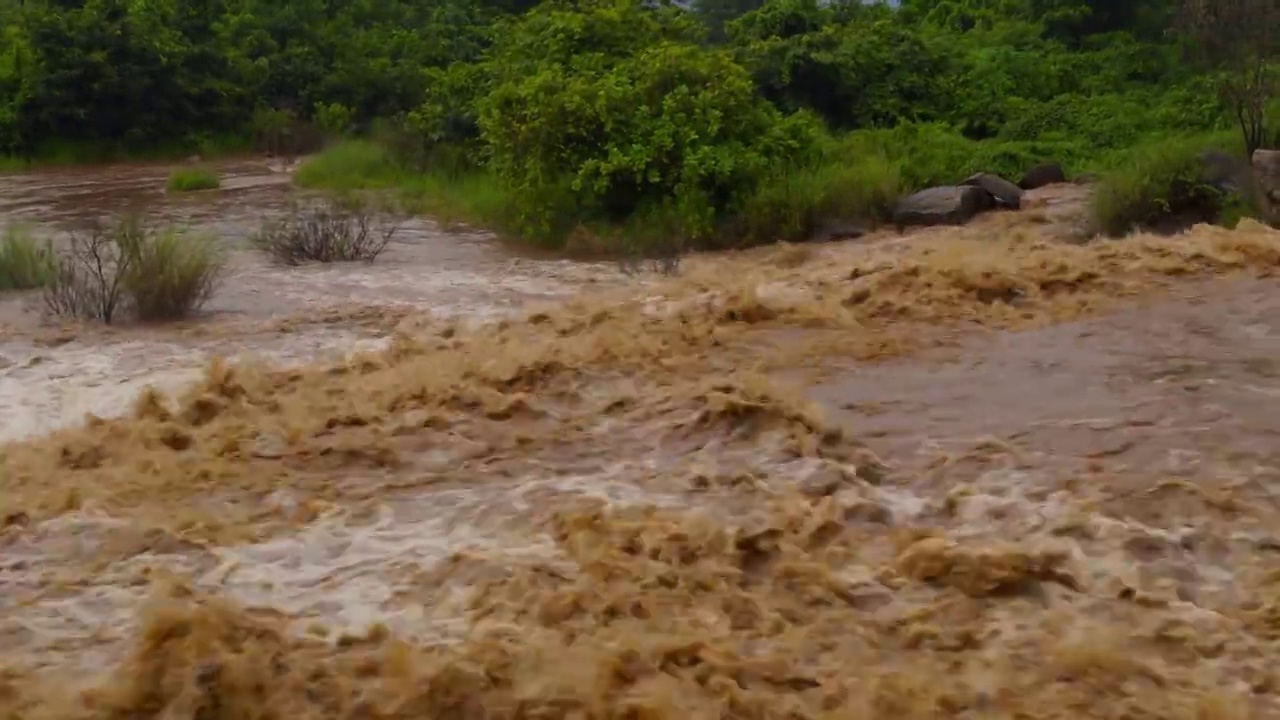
(1006, 194)
(1042, 175)
(1266, 167)
(946, 205)
(1225, 172)
(833, 230)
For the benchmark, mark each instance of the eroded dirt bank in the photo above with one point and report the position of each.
(975, 473)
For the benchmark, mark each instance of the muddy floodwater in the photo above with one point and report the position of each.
(979, 472)
(465, 274)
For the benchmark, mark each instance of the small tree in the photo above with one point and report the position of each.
(1239, 40)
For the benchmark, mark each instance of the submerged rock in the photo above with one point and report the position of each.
(1042, 175)
(1006, 194)
(945, 205)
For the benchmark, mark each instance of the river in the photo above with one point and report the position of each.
(973, 472)
(457, 273)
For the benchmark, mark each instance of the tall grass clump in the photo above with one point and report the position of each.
(127, 269)
(928, 154)
(474, 197)
(170, 274)
(193, 179)
(1162, 183)
(351, 165)
(25, 263)
(796, 203)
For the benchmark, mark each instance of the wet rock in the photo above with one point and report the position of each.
(1006, 194)
(1042, 175)
(826, 480)
(867, 512)
(16, 519)
(1266, 167)
(836, 230)
(1225, 172)
(945, 205)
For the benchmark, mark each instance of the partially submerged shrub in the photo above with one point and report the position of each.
(329, 233)
(192, 179)
(1160, 185)
(25, 263)
(125, 267)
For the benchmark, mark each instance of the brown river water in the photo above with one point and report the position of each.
(983, 472)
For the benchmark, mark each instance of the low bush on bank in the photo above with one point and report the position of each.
(192, 180)
(124, 269)
(25, 263)
(1163, 184)
(339, 232)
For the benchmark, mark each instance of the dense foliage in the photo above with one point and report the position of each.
(743, 117)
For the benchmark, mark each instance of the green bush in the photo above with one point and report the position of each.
(193, 179)
(1157, 182)
(855, 65)
(24, 262)
(658, 127)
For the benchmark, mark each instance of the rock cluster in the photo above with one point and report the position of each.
(958, 204)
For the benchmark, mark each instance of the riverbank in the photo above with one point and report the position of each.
(70, 154)
(854, 183)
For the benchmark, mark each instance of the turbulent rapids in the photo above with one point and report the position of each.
(978, 473)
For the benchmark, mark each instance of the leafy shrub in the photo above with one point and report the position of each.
(192, 179)
(24, 262)
(326, 234)
(658, 126)
(126, 267)
(1154, 184)
(334, 119)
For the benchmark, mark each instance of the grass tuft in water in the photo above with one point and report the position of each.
(350, 165)
(25, 262)
(170, 274)
(192, 180)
